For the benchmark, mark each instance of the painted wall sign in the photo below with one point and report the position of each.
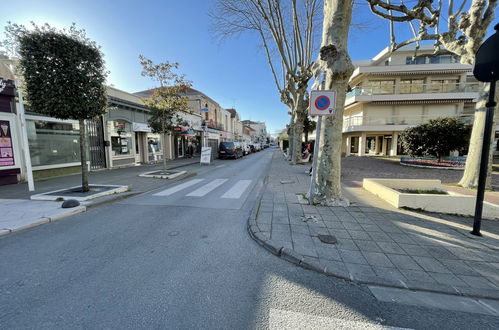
(322, 103)
(6, 148)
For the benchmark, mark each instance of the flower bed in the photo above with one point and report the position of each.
(452, 162)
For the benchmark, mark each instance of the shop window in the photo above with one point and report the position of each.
(121, 138)
(52, 143)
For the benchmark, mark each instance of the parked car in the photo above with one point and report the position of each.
(230, 150)
(252, 147)
(246, 148)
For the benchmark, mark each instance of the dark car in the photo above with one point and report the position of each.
(252, 148)
(230, 150)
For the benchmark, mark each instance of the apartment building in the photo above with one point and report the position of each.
(396, 90)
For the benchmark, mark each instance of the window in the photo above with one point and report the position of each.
(370, 144)
(381, 86)
(444, 86)
(53, 143)
(417, 60)
(354, 144)
(445, 59)
(411, 86)
(121, 138)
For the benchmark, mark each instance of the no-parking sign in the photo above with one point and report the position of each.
(322, 103)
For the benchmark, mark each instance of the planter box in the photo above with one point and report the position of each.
(452, 203)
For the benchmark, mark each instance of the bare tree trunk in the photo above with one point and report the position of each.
(472, 168)
(339, 68)
(297, 137)
(83, 156)
(290, 137)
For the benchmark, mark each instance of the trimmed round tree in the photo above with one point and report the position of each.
(64, 76)
(437, 137)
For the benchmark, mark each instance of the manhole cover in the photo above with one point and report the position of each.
(173, 233)
(328, 239)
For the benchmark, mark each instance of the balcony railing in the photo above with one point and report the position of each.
(399, 120)
(402, 88)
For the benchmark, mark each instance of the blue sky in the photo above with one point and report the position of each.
(234, 73)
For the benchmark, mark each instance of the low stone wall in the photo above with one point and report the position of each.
(452, 203)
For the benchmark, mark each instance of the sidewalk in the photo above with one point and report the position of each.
(376, 243)
(19, 212)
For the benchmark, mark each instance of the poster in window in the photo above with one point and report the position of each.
(6, 149)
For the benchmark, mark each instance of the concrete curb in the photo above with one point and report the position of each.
(300, 260)
(45, 220)
(263, 239)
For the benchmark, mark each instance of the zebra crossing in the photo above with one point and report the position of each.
(203, 187)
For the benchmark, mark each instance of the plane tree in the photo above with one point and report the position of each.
(286, 30)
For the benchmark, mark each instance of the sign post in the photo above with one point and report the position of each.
(486, 70)
(322, 103)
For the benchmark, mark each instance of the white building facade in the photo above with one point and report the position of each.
(394, 91)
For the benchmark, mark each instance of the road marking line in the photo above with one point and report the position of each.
(172, 190)
(237, 190)
(200, 192)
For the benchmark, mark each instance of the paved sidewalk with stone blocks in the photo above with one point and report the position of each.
(376, 243)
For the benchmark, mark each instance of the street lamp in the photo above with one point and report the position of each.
(486, 70)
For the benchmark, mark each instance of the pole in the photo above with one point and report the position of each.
(24, 133)
(311, 191)
(484, 160)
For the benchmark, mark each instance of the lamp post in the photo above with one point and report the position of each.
(486, 70)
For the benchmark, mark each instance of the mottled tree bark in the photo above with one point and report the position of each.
(336, 62)
(290, 137)
(472, 169)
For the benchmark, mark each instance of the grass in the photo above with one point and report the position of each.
(423, 191)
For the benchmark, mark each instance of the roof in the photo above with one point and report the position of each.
(233, 112)
(190, 91)
(122, 95)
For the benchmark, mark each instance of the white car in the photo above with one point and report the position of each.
(246, 148)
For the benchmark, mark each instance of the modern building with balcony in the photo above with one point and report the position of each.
(394, 91)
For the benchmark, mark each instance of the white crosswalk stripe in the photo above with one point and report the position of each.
(200, 192)
(237, 190)
(182, 186)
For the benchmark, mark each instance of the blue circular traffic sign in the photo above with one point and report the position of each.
(322, 102)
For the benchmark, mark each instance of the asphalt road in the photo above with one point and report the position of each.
(180, 257)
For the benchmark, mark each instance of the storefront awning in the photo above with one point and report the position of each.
(189, 133)
(141, 127)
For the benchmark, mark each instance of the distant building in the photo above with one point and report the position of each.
(260, 130)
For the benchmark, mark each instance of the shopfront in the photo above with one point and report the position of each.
(10, 151)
